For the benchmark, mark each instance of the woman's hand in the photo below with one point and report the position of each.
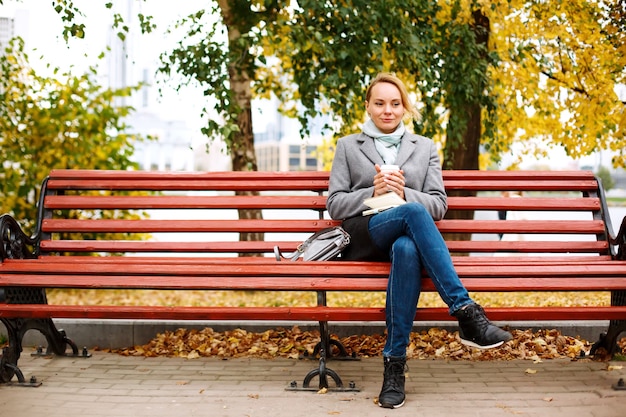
(385, 182)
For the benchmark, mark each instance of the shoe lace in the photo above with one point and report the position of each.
(477, 314)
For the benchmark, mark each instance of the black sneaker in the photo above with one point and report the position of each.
(392, 393)
(477, 331)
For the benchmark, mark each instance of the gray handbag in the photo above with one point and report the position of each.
(323, 245)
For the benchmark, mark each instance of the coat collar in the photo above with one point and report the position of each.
(407, 147)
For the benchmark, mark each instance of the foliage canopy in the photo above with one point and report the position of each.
(63, 122)
(490, 73)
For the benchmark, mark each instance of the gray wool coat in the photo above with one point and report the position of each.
(351, 182)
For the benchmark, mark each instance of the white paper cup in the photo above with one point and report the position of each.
(389, 168)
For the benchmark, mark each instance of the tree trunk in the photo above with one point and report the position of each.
(241, 145)
(243, 156)
(463, 133)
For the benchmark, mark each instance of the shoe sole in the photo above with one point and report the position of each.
(390, 405)
(475, 345)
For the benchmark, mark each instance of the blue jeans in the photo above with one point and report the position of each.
(413, 241)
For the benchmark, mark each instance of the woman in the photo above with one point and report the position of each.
(406, 235)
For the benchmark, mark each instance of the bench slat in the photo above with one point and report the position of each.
(109, 202)
(90, 175)
(529, 246)
(296, 313)
(517, 185)
(525, 204)
(524, 175)
(196, 185)
(188, 202)
(87, 175)
(289, 246)
(584, 227)
(152, 246)
(186, 226)
(474, 281)
(457, 260)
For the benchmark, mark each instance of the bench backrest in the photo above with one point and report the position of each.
(196, 213)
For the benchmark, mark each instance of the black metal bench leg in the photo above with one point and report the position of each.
(322, 372)
(11, 354)
(57, 341)
(608, 340)
(616, 328)
(334, 348)
(17, 328)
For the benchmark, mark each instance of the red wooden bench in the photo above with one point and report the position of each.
(194, 245)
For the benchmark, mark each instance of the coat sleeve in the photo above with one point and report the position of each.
(345, 197)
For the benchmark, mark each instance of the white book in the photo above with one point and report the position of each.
(382, 203)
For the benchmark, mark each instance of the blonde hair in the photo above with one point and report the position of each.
(387, 77)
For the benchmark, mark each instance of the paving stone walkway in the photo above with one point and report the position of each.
(109, 384)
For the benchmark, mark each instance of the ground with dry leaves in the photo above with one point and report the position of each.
(293, 343)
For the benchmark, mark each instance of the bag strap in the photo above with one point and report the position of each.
(292, 256)
(300, 250)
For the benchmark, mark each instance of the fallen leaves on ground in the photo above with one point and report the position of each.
(294, 343)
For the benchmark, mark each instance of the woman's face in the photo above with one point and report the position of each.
(385, 106)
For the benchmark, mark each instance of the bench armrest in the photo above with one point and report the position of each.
(14, 243)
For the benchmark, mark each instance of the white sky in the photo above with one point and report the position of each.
(41, 27)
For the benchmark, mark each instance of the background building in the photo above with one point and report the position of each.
(7, 29)
(278, 143)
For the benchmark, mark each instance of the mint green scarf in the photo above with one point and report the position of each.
(386, 144)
